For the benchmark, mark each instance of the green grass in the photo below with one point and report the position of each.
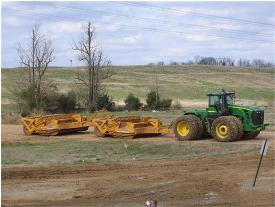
(109, 150)
(9, 108)
(188, 82)
(176, 82)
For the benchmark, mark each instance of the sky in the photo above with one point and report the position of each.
(137, 33)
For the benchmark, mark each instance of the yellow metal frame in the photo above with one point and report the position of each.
(116, 126)
(54, 124)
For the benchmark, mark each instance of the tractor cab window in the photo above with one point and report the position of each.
(215, 101)
(229, 100)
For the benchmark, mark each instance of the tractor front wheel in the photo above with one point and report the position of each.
(188, 127)
(225, 129)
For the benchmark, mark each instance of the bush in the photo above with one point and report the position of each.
(50, 103)
(26, 100)
(132, 103)
(67, 102)
(61, 103)
(155, 103)
(152, 98)
(105, 102)
(165, 104)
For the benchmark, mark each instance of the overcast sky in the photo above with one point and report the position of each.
(145, 32)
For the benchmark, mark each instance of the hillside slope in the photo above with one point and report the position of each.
(183, 83)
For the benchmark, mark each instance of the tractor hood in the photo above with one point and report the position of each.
(246, 107)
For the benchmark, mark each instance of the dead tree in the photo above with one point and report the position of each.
(91, 54)
(35, 59)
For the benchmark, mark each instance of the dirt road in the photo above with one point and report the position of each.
(206, 181)
(14, 133)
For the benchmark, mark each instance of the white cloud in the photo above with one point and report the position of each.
(106, 28)
(131, 39)
(201, 37)
(14, 21)
(64, 27)
(176, 50)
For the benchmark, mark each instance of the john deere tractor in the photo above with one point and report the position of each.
(223, 119)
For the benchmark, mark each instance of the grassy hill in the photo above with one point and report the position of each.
(187, 82)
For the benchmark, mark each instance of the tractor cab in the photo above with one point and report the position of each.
(219, 102)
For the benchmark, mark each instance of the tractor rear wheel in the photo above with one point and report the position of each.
(239, 125)
(225, 129)
(251, 135)
(188, 127)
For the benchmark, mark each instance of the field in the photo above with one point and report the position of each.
(84, 170)
(187, 85)
(180, 83)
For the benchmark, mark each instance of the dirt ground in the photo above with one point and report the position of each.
(205, 181)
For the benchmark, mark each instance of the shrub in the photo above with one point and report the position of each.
(50, 103)
(105, 102)
(61, 103)
(132, 103)
(67, 102)
(26, 100)
(152, 98)
(165, 104)
(154, 102)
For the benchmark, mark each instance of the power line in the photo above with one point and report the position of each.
(145, 19)
(139, 27)
(199, 14)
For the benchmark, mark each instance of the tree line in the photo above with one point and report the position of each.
(224, 61)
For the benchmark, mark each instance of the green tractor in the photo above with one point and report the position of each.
(224, 120)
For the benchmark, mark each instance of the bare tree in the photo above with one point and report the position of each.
(35, 59)
(91, 54)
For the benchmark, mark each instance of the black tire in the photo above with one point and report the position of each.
(98, 133)
(251, 135)
(192, 129)
(239, 125)
(224, 129)
(200, 127)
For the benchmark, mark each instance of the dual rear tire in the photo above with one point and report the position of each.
(188, 127)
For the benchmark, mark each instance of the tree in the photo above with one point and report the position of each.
(132, 102)
(207, 61)
(153, 101)
(35, 59)
(97, 66)
(160, 63)
(104, 101)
